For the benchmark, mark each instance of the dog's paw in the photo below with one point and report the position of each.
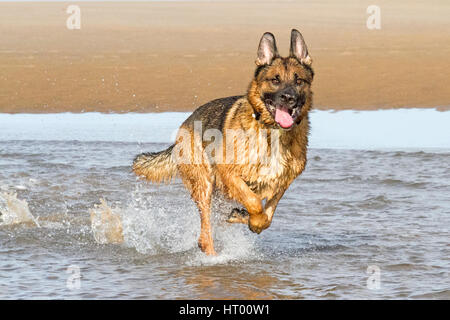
(238, 216)
(258, 223)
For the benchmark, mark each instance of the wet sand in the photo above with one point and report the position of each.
(169, 56)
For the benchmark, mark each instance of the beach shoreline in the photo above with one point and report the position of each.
(176, 56)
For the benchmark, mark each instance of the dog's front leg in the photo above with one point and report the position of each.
(271, 205)
(242, 216)
(240, 191)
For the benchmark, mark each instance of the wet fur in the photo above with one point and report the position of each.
(244, 183)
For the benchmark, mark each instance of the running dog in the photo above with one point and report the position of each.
(278, 101)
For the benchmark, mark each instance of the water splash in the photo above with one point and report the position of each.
(151, 226)
(15, 211)
(233, 242)
(106, 224)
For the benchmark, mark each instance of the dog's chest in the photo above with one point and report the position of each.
(271, 168)
(272, 173)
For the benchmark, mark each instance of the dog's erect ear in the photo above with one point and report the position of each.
(298, 48)
(267, 49)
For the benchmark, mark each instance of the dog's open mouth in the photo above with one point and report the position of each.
(283, 116)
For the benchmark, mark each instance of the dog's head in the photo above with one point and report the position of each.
(280, 91)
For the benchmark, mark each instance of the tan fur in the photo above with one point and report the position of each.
(155, 167)
(247, 183)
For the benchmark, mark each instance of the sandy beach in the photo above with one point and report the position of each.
(175, 56)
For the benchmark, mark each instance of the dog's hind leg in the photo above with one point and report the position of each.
(197, 180)
(205, 241)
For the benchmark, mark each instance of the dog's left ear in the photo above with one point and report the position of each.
(298, 48)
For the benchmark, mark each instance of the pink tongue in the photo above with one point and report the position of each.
(283, 118)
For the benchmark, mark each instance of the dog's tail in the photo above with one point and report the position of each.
(156, 166)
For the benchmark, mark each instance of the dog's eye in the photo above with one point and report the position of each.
(298, 81)
(275, 81)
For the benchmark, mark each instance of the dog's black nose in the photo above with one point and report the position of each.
(289, 99)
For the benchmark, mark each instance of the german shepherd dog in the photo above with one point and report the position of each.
(278, 99)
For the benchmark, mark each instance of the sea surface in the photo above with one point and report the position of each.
(369, 222)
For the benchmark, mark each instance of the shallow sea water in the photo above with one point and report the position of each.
(348, 211)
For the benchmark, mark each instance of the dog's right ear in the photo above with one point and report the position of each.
(267, 49)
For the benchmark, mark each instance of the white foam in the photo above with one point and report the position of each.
(381, 129)
(152, 227)
(15, 211)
